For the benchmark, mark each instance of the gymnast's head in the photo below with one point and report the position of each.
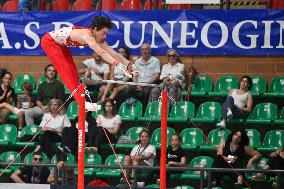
(101, 26)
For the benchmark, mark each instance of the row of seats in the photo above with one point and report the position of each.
(192, 138)
(87, 5)
(184, 112)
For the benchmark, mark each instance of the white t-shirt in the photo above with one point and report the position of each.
(107, 123)
(150, 149)
(101, 67)
(174, 72)
(58, 122)
(118, 75)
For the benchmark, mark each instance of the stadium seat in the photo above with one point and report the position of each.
(254, 138)
(91, 159)
(179, 6)
(153, 4)
(273, 140)
(8, 135)
(192, 138)
(152, 112)
(70, 159)
(107, 173)
(214, 138)
(156, 137)
(109, 5)
(280, 119)
(263, 114)
(83, 5)
(130, 5)
(132, 133)
(60, 5)
(183, 187)
(72, 110)
(7, 157)
(27, 133)
(10, 6)
(29, 158)
(208, 112)
(223, 85)
(202, 86)
(276, 88)
(130, 112)
(198, 162)
(20, 79)
(153, 186)
(259, 164)
(258, 86)
(181, 112)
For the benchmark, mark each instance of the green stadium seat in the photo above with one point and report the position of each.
(29, 158)
(8, 135)
(20, 79)
(153, 112)
(192, 138)
(181, 112)
(70, 159)
(28, 132)
(107, 173)
(208, 112)
(258, 86)
(198, 162)
(259, 164)
(156, 137)
(273, 140)
(223, 85)
(183, 187)
(276, 88)
(263, 114)
(202, 86)
(153, 186)
(130, 112)
(7, 157)
(132, 133)
(254, 138)
(214, 138)
(72, 110)
(91, 159)
(280, 120)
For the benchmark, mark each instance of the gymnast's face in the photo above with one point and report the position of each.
(100, 35)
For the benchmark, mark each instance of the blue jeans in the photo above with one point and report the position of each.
(229, 103)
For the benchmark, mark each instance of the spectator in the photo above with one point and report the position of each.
(150, 67)
(276, 161)
(142, 154)
(24, 102)
(51, 89)
(238, 103)
(7, 95)
(109, 122)
(2, 71)
(117, 75)
(52, 124)
(231, 154)
(32, 174)
(172, 77)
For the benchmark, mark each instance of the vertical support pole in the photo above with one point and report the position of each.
(81, 136)
(163, 160)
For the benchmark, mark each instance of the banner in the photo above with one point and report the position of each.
(192, 32)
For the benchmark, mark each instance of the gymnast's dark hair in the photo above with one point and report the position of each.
(100, 22)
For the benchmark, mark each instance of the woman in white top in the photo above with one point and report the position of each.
(107, 124)
(238, 103)
(52, 124)
(172, 76)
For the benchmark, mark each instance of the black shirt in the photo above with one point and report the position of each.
(40, 177)
(175, 155)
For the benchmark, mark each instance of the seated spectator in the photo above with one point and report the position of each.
(52, 124)
(238, 103)
(172, 77)
(117, 75)
(7, 95)
(150, 67)
(231, 154)
(51, 89)
(96, 69)
(24, 102)
(276, 161)
(32, 174)
(109, 122)
(142, 154)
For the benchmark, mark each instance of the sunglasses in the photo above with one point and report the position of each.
(37, 159)
(172, 55)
